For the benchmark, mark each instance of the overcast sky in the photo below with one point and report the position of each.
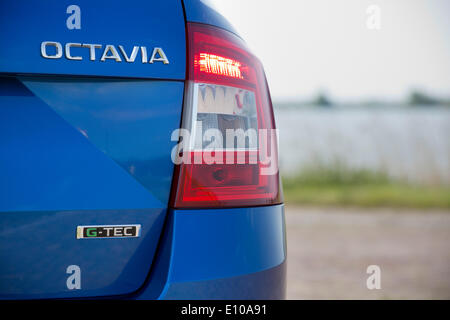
(312, 45)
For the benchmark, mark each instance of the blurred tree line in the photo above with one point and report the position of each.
(415, 98)
(419, 98)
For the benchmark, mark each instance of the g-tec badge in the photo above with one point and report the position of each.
(107, 232)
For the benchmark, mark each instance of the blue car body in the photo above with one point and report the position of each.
(88, 143)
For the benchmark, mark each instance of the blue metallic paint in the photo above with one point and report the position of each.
(269, 284)
(37, 247)
(202, 254)
(203, 11)
(130, 121)
(223, 243)
(98, 158)
(67, 147)
(220, 254)
(24, 24)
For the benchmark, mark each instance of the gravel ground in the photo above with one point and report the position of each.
(329, 250)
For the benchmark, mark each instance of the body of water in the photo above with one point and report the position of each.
(407, 143)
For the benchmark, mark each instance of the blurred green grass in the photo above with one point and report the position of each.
(340, 186)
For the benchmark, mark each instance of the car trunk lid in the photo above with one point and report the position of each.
(85, 143)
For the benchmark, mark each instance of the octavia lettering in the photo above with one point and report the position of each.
(98, 52)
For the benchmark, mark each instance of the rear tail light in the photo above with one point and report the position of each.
(227, 150)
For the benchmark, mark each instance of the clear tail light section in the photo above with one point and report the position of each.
(226, 154)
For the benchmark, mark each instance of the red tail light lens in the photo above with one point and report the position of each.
(211, 63)
(227, 152)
